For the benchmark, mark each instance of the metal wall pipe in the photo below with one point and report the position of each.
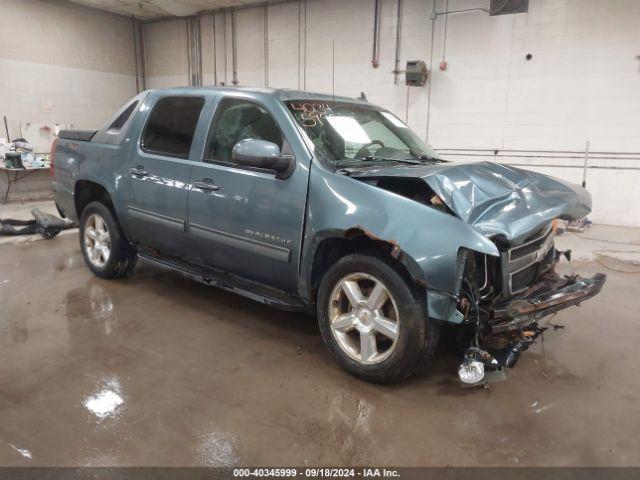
(433, 29)
(449, 12)
(224, 44)
(189, 66)
(266, 45)
(135, 52)
(375, 61)
(396, 69)
(299, 52)
(501, 156)
(234, 48)
(304, 54)
(215, 50)
(194, 51)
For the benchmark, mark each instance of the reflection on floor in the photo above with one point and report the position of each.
(158, 370)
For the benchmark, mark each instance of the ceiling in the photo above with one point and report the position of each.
(149, 9)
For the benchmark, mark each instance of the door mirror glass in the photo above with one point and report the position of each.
(262, 154)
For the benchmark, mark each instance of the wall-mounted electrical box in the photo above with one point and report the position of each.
(506, 7)
(416, 73)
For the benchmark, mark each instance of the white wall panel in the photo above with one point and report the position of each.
(582, 83)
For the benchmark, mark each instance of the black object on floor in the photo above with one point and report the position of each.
(43, 223)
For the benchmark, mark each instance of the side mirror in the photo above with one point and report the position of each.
(262, 154)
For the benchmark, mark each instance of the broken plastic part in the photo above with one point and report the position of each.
(45, 224)
(509, 356)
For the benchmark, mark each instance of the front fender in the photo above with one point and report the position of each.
(427, 241)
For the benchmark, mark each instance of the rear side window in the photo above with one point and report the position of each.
(171, 125)
(123, 117)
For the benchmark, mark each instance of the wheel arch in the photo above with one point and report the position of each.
(87, 191)
(335, 245)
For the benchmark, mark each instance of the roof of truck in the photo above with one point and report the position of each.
(282, 94)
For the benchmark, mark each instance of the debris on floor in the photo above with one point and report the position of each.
(579, 225)
(478, 368)
(43, 223)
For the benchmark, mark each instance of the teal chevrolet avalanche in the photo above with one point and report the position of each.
(328, 205)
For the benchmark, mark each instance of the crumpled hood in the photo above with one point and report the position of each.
(497, 199)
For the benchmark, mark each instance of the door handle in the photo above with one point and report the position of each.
(206, 185)
(138, 171)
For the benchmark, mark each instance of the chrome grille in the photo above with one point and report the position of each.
(522, 263)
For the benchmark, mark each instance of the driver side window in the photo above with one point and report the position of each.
(235, 120)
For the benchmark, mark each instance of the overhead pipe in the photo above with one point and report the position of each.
(223, 9)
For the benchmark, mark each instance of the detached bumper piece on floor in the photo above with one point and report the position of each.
(43, 223)
(514, 326)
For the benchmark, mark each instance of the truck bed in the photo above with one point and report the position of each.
(80, 135)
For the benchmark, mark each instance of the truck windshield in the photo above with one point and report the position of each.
(354, 135)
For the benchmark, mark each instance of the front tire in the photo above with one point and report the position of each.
(105, 249)
(372, 320)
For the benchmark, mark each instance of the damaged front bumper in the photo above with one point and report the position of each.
(514, 326)
(550, 295)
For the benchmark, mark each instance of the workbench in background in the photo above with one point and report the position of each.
(19, 185)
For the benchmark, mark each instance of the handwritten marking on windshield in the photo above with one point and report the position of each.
(312, 112)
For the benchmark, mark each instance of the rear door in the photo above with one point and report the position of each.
(158, 174)
(242, 219)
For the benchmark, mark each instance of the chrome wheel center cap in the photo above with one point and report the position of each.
(364, 316)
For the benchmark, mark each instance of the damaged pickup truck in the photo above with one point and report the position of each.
(328, 205)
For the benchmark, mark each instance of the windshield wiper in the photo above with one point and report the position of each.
(424, 156)
(410, 161)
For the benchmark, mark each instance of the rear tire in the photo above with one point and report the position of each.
(105, 249)
(376, 339)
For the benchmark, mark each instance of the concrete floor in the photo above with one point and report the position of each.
(159, 370)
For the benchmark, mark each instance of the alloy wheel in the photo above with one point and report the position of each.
(97, 241)
(364, 318)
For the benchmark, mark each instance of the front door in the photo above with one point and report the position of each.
(244, 220)
(158, 175)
